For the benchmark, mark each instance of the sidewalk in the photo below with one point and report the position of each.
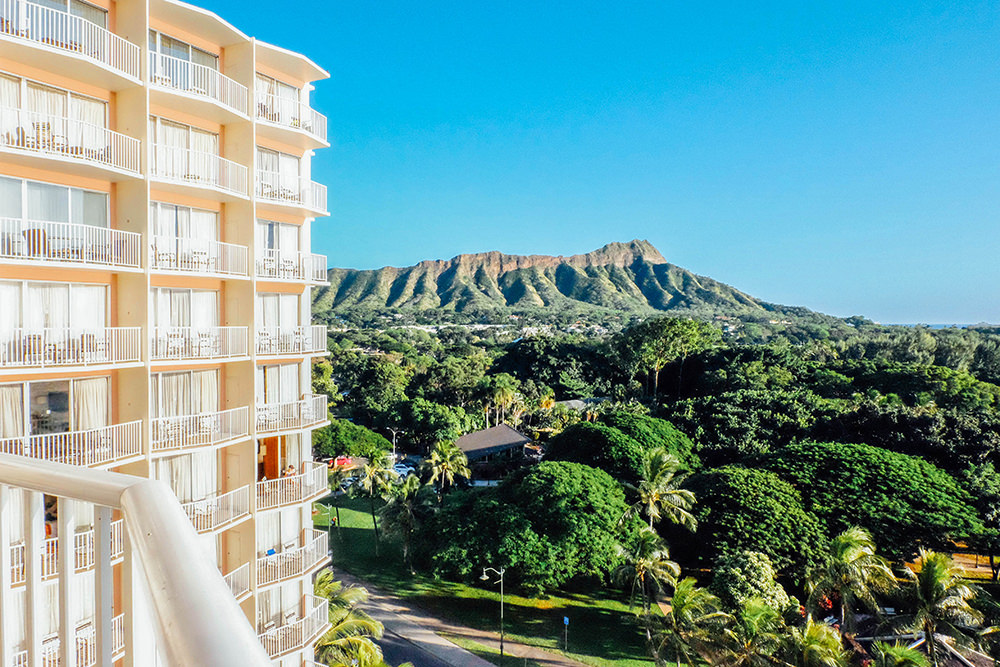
(416, 626)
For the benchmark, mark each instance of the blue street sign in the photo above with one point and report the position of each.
(565, 620)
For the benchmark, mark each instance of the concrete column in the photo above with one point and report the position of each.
(7, 610)
(103, 585)
(34, 543)
(67, 581)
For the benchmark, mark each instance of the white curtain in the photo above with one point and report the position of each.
(204, 224)
(50, 613)
(205, 390)
(272, 384)
(176, 471)
(172, 161)
(261, 395)
(205, 148)
(288, 168)
(289, 383)
(90, 118)
(180, 308)
(90, 403)
(268, 531)
(49, 306)
(288, 102)
(203, 474)
(10, 102)
(288, 239)
(10, 307)
(289, 316)
(175, 394)
(293, 451)
(162, 312)
(11, 410)
(268, 309)
(204, 309)
(18, 615)
(88, 307)
(47, 117)
(83, 599)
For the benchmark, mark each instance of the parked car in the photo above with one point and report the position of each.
(343, 462)
(403, 470)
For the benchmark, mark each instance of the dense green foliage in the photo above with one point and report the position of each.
(344, 437)
(741, 576)
(600, 446)
(650, 432)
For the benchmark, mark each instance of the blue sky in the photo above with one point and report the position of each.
(841, 156)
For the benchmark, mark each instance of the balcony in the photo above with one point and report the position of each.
(294, 561)
(309, 412)
(239, 581)
(213, 175)
(299, 194)
(83, 554)
(47, 37)
(61, 347)
(279, 341)
(290, 265)
(311, 484)
(219, 511)
(277, 115)
(201, 256)
(204, 430)
(65, 243)
(68, 145)
(297, 630)
(86, 646)
(196, 343)
(94, 447)
(207, 90)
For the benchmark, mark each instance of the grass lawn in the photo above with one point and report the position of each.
(603, 631)
(489, 654)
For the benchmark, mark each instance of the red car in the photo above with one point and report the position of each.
(343, 462)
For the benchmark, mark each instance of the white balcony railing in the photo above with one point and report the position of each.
(211, 513)
(93, 447)
(60, 30)
(43, 348)
(291, 265)
(291, 191)
(297, 630)
(170, 253)
(310, 484)
(291, 113)
(86, 646)
(190, 167)
(294, 560)
(291, 415)
(202, 430)
(198, 342)
(83, 554)
(186, 76)
(33, 132)
(42, 241)
(291, 340)
(239, 580)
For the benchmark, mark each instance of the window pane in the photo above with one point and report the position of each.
(48, 202)
(50, 407)
(203, 58)
(10, 198)
(174, 47)
(89, 12)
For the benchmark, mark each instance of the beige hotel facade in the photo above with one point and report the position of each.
(156, 209)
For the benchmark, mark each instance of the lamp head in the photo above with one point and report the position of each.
(485, 576)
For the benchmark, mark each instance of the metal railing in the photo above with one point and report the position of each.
(291, 113)
(70, 346)
(198, 342)
(40, 240)
(171, 253)
(63, 31)
(93, 447)
(190, 167)
(239, 580)
(292, 191)
(297, 630)
(207, 428)
(316, 268)
(294, 561)
(291, 265)
(85, 648)
(291, 415)
(67, 137)
(186, 76)
(83, 554)
(291, 340)
(211, 513)
(310, 484)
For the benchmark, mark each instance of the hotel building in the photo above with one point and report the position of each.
(156, 205)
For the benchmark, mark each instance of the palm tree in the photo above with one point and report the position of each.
(853, 573)
(751, 639)
(335, 479)
(376, 479)
(815, 645)
(939, 598)
(401, 514)
(659, 490)
(446, 462)
(647, 568)
(349, 642)
(898, 655)
(690, 621)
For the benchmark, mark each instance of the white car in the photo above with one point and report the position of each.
(403, 470)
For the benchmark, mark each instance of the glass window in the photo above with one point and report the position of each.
(48, 202)
(10, 198)
(49, 406)
(89, 12)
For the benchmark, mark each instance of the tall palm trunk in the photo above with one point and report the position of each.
(371, 500)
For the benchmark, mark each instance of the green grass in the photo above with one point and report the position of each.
(489, 654)
(603, 630)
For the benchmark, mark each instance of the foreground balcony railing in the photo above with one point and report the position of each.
(93, 447)
(212, 513)
(291, 415)
(83, 554)
(197, 621)
(44, 348)
(312, 483)
(173, 343)
(43, 241)
(59, 30)
(294, 561)
(291, 113)
(289, 265)
(209, 428)
(239, 580)
(69, 138)
(291, 340)
(190, 167)
(188, 77)
(291, 191)
(297, 630)
(169, 253)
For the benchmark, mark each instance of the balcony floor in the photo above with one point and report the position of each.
(286, 134)
(190, 102)
(59, 61)
(63, 163)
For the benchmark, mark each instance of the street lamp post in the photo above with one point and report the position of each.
(394, 431)
(486, 577)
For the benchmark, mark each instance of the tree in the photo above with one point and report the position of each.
(407, 504)
(344, 437)
(647, 568)
(656, 342)
(753, 637)
(898, 655)
(651, 432)
(446, 462)
(740, 577)
(376, 479)
(659, 493)
(349, 642)
(814, 645)
(427, 422)
(939, 598)
(600, 446)
(692, 619)
(852, 574)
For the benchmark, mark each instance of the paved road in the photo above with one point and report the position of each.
(397, 651)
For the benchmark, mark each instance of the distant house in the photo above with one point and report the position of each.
(493, 444)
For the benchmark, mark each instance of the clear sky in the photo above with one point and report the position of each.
(841, 156)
